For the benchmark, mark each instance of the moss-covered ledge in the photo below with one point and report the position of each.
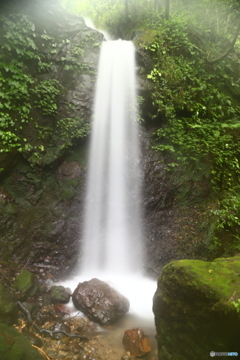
(194, 310)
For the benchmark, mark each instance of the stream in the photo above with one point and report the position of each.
(140, 291)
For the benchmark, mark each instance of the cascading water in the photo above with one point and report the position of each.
(112, 233)
(112, 237)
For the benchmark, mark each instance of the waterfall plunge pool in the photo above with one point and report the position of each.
(140, 291)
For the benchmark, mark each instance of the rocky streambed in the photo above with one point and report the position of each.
(38, 320)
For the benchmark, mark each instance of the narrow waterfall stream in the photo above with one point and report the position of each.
(112, 247)
(112, 234)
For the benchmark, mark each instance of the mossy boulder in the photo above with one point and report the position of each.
(194, 310)
(8, 307)
(59, 294)
(14, 346)
(27, 283)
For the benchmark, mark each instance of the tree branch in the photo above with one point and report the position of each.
(221, 57)
(48, 332)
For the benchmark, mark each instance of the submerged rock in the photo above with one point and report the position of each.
(99, 301)
(136, 342)
(196, 310)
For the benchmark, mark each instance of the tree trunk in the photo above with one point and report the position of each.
(156, 5)
(167, 9)
(126, 9)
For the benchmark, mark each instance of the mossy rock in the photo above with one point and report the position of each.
(14, 346)
(8, 307)
(59, 294)
(27, 283)
(193, 308)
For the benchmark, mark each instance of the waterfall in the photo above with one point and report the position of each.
(111, 246)
(112, 235)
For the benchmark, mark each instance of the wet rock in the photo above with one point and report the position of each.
(127, 356)
(63, 309)
(99, 301)
(70, 169)
(136, 342)
(59, 294)
(27, 283)
(45, 314)
(60, 326)
(194, 308)
(8, 308)
(13, 345)
(41, 204)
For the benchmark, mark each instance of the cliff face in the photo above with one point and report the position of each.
(49, 68)
(49, 65)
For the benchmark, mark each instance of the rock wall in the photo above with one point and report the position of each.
(42, 185)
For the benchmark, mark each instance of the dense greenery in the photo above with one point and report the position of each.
(28, 88)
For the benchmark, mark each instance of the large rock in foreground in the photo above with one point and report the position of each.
(195, 310)
(14, 346)
(99, 301)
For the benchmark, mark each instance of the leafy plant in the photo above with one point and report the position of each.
(46, 93)
(236, 305)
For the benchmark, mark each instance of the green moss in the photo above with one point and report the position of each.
(8, 308)
(221, 275)
(193, 308)
(14, 346)
(26, 282)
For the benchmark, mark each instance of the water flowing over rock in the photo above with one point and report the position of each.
(136, 342)
(99, 301)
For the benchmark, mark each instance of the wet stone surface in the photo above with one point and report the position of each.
(99, 301)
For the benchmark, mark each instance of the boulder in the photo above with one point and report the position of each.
(27, 283)
(59, 294)
(196, 308)
(8, 307)
(99, 301)
(136, 342)
(14, 346)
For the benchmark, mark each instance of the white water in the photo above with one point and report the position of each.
(112, 237)
(91, 25)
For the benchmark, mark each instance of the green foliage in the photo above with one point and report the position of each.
(46, 94)
(200, 119)
(72, 128)
(24, 54)
(18, 44)
(236, 305)
(197, 118)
